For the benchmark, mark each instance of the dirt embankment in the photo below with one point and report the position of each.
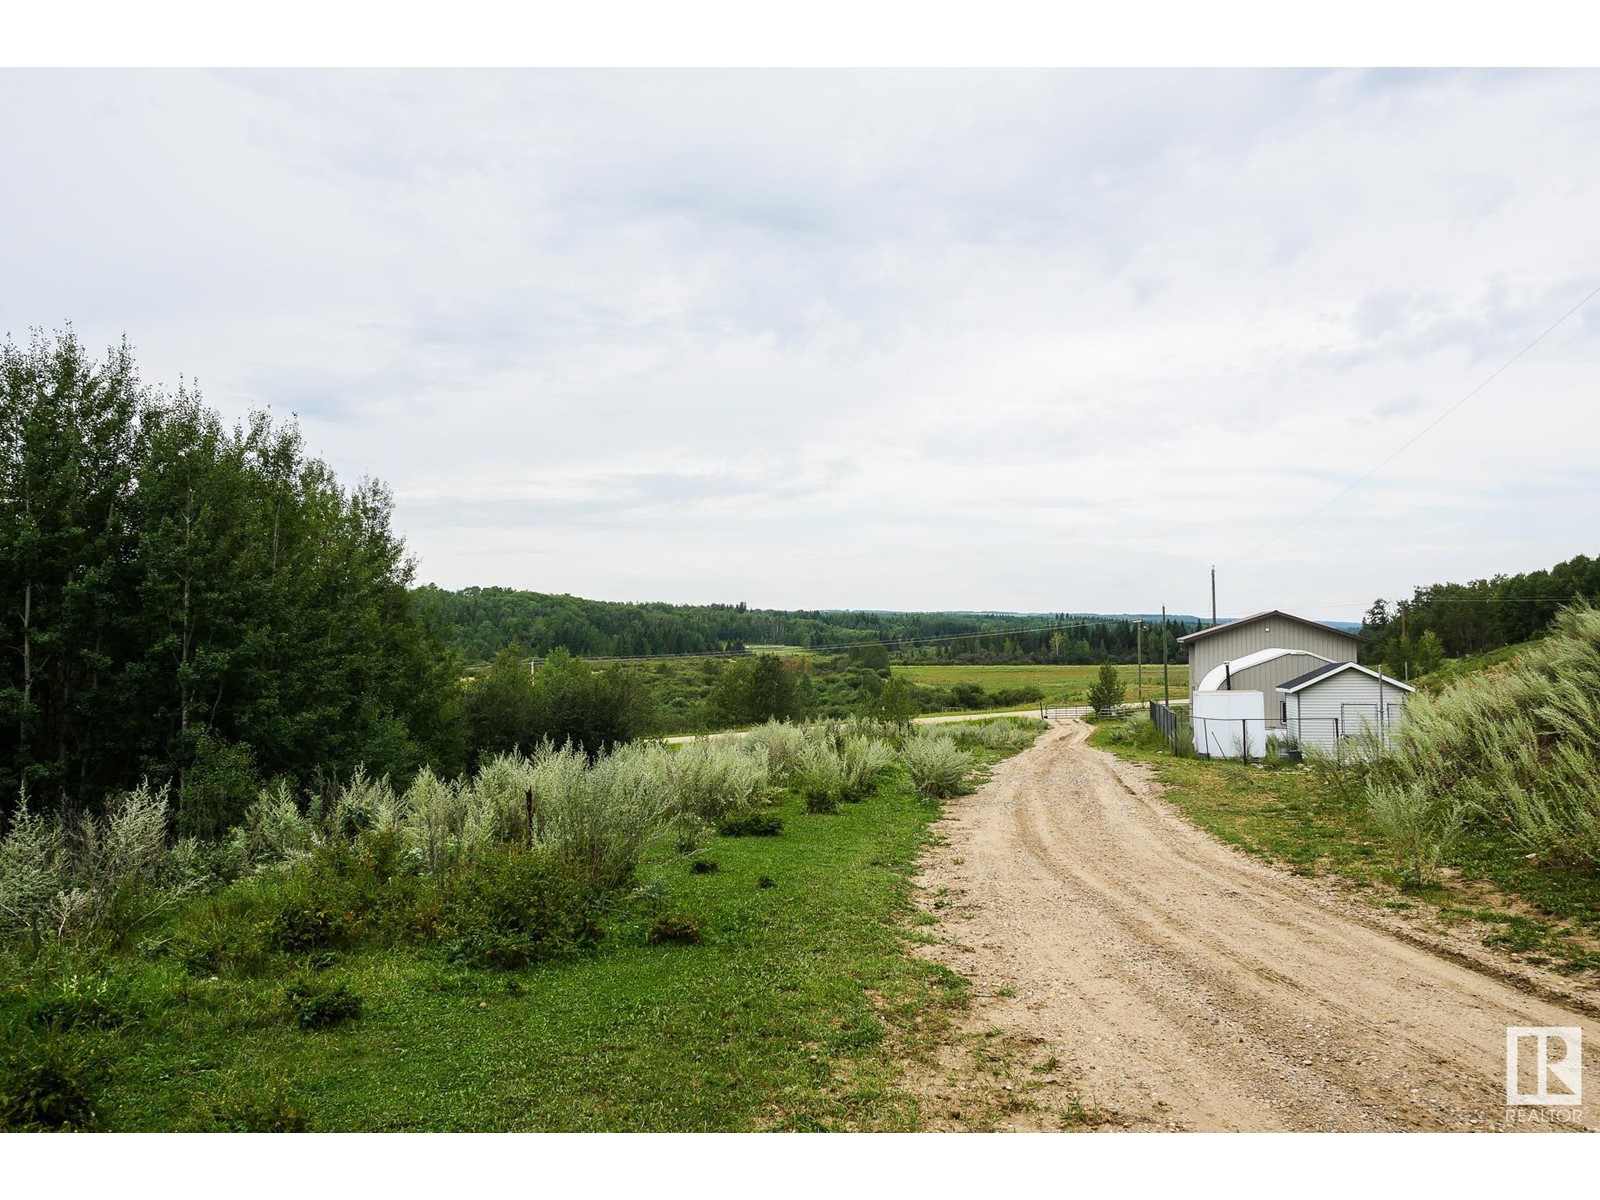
(1129, 971)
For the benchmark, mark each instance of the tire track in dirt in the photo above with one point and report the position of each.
(1131, 971)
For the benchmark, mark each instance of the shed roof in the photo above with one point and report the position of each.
(1271, 612)
(1301, 682)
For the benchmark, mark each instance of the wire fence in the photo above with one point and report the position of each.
(1248, 738)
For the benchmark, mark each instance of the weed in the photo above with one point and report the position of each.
(703, 866)
(755, 823)
(317, 1004)
(253, 1104)
(674, 930)
(48, 1082)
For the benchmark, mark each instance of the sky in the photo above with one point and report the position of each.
(1018, 341)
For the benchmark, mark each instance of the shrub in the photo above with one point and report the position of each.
(783, 746)
(715, 778)
(1004, 735)
(1419, 824)
(514, 909)
(274, 832)
(317, 1004)
(938, 768)
(597, 823)
(85, 1001)
(217, 788)
(758, 823)
(703, 866)
(1519, 747)
(32, 870)
(674, 930)
(821, 779)
(48, 1082)
(863, 762)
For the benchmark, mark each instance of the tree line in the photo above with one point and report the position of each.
(482, 621)
(175, 593)
(1455, 619)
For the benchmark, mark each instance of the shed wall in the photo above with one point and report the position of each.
(1246, 637)
(1350, 698)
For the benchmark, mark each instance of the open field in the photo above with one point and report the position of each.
(1060, 684)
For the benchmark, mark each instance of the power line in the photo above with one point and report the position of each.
(1416, 437)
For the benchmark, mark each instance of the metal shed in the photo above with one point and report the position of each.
(1341, 700)
(1274, 630)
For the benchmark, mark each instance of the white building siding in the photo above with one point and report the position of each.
(1239, 638)
(1266, 678)
(1340, 706)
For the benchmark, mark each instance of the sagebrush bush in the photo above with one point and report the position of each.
(714, 778)
(820, 777)
(938, 767)
(1005, 735)
(1517, 747)
(863, 762)
(782, 744)
(66, 875)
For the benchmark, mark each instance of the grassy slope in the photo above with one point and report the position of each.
(1313, 825)
(1060, 684)
(791, 1014)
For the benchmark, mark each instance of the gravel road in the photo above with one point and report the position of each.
(1129, 971)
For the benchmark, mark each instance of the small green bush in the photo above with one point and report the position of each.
(317, 1004)
(85, 1001)
(516, 909)
(674, 930)
(48, 1083)
(756, 823)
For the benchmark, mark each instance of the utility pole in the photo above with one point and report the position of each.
(1138, 650)
(1213, 597)
(1166, 690)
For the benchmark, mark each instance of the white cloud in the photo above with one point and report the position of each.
(1016, 340)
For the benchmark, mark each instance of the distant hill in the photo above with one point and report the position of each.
(480, 622)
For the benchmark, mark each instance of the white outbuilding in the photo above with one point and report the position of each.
(1340, 701)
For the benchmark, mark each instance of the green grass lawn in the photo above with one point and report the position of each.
(1314, 823)
(793, 1012)
(1067, 685)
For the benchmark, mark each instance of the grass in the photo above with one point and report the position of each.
(1062, 685)
(1292, 819)
(792, 1012)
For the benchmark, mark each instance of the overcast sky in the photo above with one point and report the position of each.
(890, 340)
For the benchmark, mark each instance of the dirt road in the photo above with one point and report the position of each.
(1129, 971)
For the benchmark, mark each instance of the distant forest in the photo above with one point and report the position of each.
(480, 622)
(1485, 614)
